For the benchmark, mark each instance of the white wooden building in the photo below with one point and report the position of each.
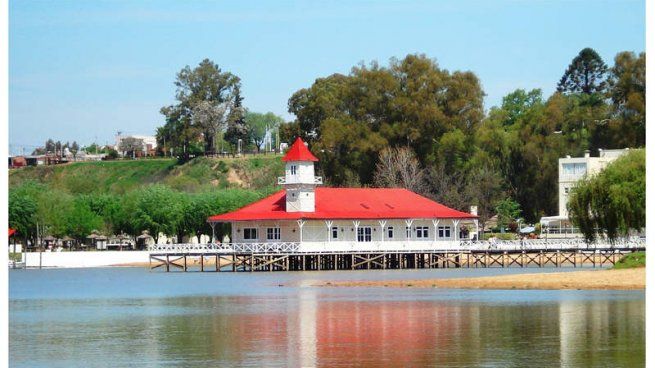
(321, 219)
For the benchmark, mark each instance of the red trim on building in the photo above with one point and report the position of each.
(348, 204)
(299, 152)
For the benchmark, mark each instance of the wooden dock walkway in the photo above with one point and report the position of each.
(252, 261)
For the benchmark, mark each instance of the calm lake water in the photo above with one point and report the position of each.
(112, 317)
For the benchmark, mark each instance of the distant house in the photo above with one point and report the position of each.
(571, 170)
(148, 148)
(17, 161)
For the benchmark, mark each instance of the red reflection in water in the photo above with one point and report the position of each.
(388, 333)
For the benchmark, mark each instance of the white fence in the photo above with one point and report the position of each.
(389, 246)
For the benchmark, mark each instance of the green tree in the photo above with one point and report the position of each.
(204, 83)
(627, 89)
(78, 221)
(508, 211)
(586, 74)
(157, 209)
(613, 202)
(349, 119)
(260, 125)
(22, 213)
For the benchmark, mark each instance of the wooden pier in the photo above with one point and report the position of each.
(219, 261)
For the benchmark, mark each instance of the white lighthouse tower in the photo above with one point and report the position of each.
(299, 181)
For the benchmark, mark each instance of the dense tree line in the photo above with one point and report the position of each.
(466, 156)
(155, 208)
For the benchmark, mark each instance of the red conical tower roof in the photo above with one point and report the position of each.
(299, 152)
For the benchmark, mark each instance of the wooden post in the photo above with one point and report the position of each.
(184, 263)
(202, 263)
(218, 262)
(168, 264)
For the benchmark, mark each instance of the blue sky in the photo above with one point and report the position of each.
(82, 70)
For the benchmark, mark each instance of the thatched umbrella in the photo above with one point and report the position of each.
(143, 238)
(93, 236)
(49, 239)
(67, 240)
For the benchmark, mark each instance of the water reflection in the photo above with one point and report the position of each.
(309, 326)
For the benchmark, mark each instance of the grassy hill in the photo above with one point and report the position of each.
(121, 176)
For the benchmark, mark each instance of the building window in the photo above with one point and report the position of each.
(273, 233)
(444, 231)
(364, 234)
(390, 232)
(293, 169)
(575, 169)
(422, 232)
(250, 234)
(335, 232)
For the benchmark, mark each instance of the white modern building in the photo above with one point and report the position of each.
(571, 170)
(320, 219)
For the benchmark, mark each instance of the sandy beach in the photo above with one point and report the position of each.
(628, 279)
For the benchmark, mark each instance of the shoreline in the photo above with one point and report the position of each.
(625, 279)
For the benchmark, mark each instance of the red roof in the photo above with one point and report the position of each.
(11, 232)
(348, 203)
(299, 152)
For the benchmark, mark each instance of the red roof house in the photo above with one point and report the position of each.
(310, 215)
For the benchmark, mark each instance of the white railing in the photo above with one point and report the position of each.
(226, 248)
(553, 244)
(296, 180)
(407, 246)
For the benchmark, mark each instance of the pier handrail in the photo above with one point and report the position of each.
(464, 245)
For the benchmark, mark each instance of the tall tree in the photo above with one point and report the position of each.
(628, 93)
(204, 83)
(586, 74)
(349, 119)
(237, 129)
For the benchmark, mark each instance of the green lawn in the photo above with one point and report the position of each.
(632, 260)
(122, 176)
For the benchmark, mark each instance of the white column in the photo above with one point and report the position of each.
(408, 223)
(435, 224)
(356, 225)
(456, 228)
(477, 230)
(301, 223)
(213, 225)
(328, 224)
(383, 223)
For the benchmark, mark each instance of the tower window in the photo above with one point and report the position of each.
(294, 169)
(335, 232)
